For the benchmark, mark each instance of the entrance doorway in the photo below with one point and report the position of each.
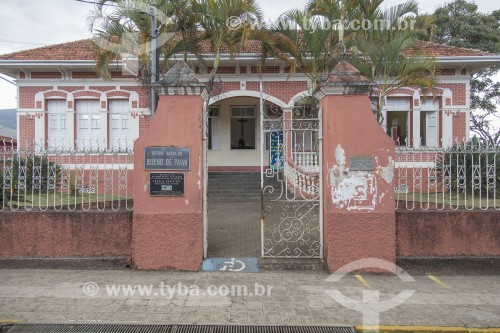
(233, 214)
(233, 191)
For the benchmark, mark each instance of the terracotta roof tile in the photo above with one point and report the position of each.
(84, 50)
(77, 50)
(345, 73)
(440, 50)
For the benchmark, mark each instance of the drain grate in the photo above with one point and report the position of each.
(139, 328)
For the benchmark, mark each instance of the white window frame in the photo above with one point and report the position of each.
(430, 107)
(399, 104)
(57, 124)
(214, 129)
(119, 124)
(250, 112)
(88, 123)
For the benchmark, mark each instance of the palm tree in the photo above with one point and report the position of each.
(388, 56)
(300, 40)
(125, 28)
(212, 18)
(313, 40)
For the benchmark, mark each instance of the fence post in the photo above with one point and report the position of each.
(168, 194)
(358, 168)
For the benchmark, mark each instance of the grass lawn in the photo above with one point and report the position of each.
(59, 198)
(462, 200)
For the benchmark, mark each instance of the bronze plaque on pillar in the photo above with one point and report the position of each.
(166, 158)
(361, 163)
(166, 184)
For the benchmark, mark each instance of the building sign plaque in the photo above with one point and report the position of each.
(166, 184)
(166, 158)
(276, 151)
(361, 163)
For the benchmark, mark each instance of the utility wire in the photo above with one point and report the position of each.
(9, 81)
(95, 3)
(18, 42)
(9, 125)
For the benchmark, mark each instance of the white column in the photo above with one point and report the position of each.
(133, 128)
(417, 141)
(447, 127)
(103, 133)
(40, 135)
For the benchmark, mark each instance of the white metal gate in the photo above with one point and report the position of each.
(291, 212)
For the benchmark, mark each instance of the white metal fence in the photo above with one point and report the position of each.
(465, 175)
(38, 177)
(42, 177)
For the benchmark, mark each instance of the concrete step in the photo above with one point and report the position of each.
(236, 186)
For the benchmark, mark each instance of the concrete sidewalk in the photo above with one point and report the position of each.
(288, 298)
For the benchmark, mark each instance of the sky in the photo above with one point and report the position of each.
(26, 24)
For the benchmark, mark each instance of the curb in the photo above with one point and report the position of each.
(424, 329)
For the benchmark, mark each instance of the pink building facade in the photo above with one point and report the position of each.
(63, 103)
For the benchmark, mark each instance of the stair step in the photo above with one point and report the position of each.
(237, 186)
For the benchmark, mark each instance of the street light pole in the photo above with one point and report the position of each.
(154, 59)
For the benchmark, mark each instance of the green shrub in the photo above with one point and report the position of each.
(464, 160)
(38, 169)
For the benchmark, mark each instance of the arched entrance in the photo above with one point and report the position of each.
(263, 178)
(234, 159)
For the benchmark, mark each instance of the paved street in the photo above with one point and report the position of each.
(294, 298)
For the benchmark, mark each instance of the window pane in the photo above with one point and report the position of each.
(242, 133)
(250, 112)
(213, 112)
(399, 104)
(397, 126)
(236, 112)
(96, 122)
(53, 122)
(83, 121)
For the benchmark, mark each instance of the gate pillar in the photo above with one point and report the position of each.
(358, 165)
(168, 178)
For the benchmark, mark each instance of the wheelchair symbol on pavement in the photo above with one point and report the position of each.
(231, 265)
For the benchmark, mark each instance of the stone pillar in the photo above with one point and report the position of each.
(168, 230)
(358, 166)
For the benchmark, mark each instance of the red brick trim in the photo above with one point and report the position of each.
(54, 93)
(265, 69)
(46, 75)
(401, 91)
(446, 71)
(125, 94)
(84, 75)
(87, 93)
(71, 88)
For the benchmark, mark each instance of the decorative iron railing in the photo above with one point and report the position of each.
(465, 175)
(305, 184)
(306, 161)
(42, 177)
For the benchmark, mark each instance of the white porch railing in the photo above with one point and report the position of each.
(40, 177)
(305, 184)
(306, 161)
